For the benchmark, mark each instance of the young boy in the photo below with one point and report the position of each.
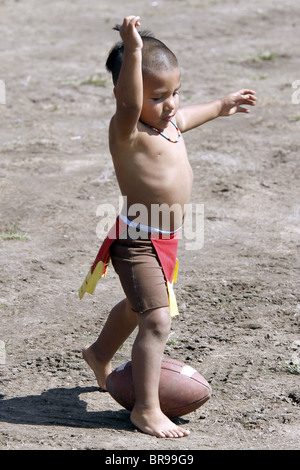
(152, 169)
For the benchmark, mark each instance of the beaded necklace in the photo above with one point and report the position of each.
(164, 135)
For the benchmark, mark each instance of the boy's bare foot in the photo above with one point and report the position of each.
(100, 369)
(155, 423)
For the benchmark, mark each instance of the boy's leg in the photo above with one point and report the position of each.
(147, 352)
(120, 323)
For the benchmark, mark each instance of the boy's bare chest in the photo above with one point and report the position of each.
(152, 156)
(158, 150)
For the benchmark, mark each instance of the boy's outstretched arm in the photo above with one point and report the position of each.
(129, 88)
(189, 117)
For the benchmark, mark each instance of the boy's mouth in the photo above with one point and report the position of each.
(168, 118)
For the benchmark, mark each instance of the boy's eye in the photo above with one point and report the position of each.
(160, 98)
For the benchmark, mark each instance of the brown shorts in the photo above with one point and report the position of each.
(140, 273)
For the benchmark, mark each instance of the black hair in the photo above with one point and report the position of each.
(155, 55)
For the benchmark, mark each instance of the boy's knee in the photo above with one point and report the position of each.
(158, 322)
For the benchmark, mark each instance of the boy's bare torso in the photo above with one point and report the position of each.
(153, 172)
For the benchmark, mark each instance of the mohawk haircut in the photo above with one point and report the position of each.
(156, 56)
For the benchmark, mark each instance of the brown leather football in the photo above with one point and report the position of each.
(181, 388)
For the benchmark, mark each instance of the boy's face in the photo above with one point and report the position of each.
(161, 97)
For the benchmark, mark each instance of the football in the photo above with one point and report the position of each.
(181, 388)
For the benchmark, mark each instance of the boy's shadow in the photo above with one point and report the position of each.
(61, 407)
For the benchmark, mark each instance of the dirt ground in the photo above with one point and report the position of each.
(238, 296)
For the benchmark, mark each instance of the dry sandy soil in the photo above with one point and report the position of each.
(238, 296)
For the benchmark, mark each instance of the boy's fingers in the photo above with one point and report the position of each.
(135, 20)
(129, 24)
(249, 96)
(247, 92)
(240, 109)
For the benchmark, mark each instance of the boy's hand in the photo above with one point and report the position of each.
(234, 102)
(128, 32)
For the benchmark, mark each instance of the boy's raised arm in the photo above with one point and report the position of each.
(190, 117)
(129, 88)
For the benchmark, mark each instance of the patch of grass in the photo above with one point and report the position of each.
(261, 56)
(94, 80)
(263, 76)
(13, 232)
(266, 55)
(295, 118)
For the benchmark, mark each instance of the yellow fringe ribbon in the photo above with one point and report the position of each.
(171, 294)
(90, 282)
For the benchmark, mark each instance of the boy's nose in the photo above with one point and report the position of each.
(169, 104)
